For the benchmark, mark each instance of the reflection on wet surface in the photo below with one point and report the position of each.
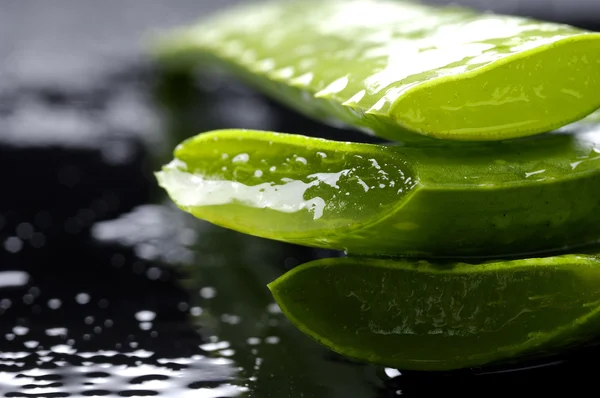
(83, 324)
(97, 319)
(106, 321)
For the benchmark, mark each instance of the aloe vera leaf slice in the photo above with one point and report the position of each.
(394, 68)
(426, 316)
(518, 197)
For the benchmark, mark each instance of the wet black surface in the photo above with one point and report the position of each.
(105, 288)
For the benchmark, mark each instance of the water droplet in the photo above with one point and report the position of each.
(153, 273)
(82, 298)
(20, 330)
(145, 325)
(272, 340)
(31, 344)
(54, 303)
(302, 80)
(208, 292)
(334, 88)
(221, 345)
(56, 332)
(356, 97)
(63, 349)
(391, 373)
(13, 244)
(227, 353)
(265, 65)
(231, 319)
(196, 311)
(145, 316)
(146, 251)
(24, 231)
(283, 73)
(273, 308)
(527, 175)
(28, 299)
(241, 158)
(13, 279)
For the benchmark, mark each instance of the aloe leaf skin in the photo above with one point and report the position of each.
(517, 197)
(417, 315)
(396, 68)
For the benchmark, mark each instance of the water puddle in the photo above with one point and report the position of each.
(160, 304)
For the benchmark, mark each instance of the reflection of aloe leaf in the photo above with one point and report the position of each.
(392, 67)
(486, 199)
(272, 354)
(418, 315)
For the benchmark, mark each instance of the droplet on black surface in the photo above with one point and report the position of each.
(13, 244)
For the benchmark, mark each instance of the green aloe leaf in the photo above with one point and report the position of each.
(393, 67)
(481, 199)
(425, 316)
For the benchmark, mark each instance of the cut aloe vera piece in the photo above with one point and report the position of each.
(424, 316)
(482, 199)
(391, 67)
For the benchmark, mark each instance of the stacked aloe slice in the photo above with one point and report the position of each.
(470, 237)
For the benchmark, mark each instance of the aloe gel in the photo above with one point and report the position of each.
(486, 199)
(437, 316)
(402, 70)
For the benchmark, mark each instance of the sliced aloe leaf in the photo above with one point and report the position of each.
(425, 316)
(392, 67)
(488, 199)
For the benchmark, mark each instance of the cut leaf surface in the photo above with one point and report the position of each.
(425, 316)
(392, 67)
(482, 199)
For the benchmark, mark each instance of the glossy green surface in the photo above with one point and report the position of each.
(391, 67)
(481, 199)
(424, 316)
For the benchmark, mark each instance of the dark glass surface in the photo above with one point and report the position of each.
(105, 288)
